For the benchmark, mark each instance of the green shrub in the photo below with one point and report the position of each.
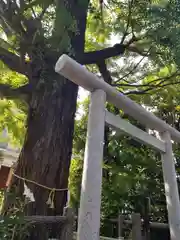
(12, 224)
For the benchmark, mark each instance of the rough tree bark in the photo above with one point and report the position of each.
(45, 156)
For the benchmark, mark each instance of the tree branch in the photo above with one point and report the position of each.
(129, 73)
(104, 72)
(100, 55)
(134, 49)
(138, 92)
(152, 83)
(14, 62)
(23, 92)
(7, 29)
(150, 88)
(130, 5)
(8, 13)
(12, 15)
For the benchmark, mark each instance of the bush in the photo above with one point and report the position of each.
(12, 224)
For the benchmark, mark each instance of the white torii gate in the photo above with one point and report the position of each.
(90, 203)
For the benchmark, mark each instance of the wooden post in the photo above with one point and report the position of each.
(146, 215)
(120, 225)
(136, 226)
(68, 199)
(171, 188)
(89, 212)
(67, 226)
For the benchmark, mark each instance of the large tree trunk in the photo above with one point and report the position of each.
(45, 156)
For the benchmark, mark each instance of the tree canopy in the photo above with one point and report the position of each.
(144, 57)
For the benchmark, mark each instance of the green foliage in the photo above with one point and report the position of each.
(78, 152)
(75, 181)
(165, 22)
(12, 112)
(13, 225)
